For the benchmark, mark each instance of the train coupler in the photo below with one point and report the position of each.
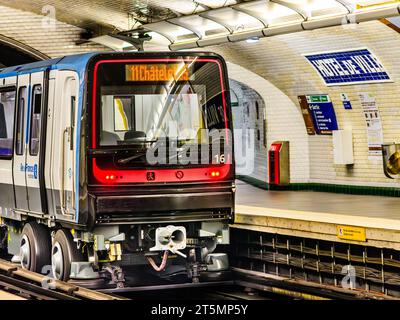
(170, 238)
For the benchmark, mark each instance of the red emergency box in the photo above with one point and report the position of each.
(278, 163)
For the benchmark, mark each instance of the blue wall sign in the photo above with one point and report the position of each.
(346, 101)
(348, 67)
(322, 113)
(347, 105)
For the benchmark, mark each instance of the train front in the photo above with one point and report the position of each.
(160, 164)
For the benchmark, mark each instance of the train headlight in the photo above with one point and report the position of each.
(215, 174)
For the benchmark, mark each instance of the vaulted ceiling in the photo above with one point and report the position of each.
(184, 24)
(115, 14)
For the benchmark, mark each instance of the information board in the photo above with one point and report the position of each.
(373, 124)
(318, 113)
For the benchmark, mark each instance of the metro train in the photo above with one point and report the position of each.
(111, 161)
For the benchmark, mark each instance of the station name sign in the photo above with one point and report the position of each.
(348, 67)
(156, 72)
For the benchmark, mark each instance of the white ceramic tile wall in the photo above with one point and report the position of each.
(283, 74)
(54, 39)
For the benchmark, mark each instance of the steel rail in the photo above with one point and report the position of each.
(30, 291)
(15, 277)
(166, 287)
(299, 288)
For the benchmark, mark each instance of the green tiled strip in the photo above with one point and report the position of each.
(334, 188)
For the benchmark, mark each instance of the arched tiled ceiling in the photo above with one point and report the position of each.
(241, 20)
(181, 24)
(114, 14)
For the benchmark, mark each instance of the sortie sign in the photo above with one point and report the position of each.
(318, 113)
(348, 67)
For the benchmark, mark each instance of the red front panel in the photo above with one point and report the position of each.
(112, 175)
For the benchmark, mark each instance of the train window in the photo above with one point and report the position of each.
(144, 106)
(35, 120)
(73, 103)
(73, 106)
(134, 117)
(22, 98)
(7, 108)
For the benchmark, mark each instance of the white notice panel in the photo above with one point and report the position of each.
(374, 125)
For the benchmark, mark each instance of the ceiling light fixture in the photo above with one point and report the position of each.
(253, 40)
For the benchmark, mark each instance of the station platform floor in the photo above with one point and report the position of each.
(9, 296)
(320, 215)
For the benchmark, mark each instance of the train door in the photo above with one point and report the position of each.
(35, 117)
(66, 97)
(21, 141)
(68, 163)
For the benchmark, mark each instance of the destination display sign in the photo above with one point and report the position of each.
(157, 72)
(348, 67)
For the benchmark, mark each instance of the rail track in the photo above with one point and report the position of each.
(223, 292)
(297, 289)
(33, 286)
(16, 282)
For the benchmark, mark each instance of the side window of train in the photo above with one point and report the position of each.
(35, 120)
(73, 106)
(7, 112)
(19, 143)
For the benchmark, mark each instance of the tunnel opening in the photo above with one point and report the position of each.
(249, 121)
(14, 53)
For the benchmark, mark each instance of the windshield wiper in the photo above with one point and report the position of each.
(137, 142)
(126, 160)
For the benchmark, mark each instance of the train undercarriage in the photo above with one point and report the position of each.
(121, 255)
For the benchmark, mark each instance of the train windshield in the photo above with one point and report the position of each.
(143, 102)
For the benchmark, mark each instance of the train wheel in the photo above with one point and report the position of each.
(63, 253)
(35, 247)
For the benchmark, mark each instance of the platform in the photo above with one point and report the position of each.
(320, 215)
(9, 296)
